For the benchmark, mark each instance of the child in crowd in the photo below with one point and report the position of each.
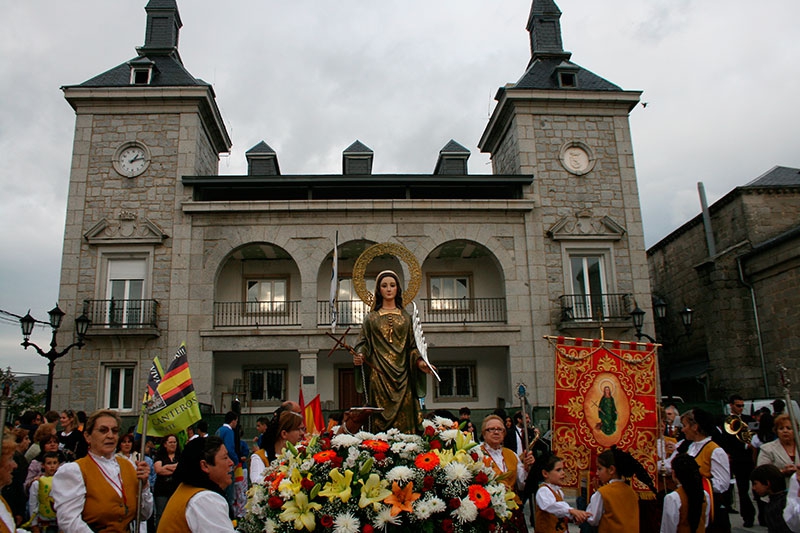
(552, 512)
(40, 504)
(769, 481)
(688, 507)
(614, 507)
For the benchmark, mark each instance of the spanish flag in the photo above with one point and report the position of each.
(171, 401)
(312, 412)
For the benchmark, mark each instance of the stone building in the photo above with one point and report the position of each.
(160, 249)
(740, 273)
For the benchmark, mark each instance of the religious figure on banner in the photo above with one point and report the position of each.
(387, 359)
(607, 412)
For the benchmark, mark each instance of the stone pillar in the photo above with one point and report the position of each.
(308, 372)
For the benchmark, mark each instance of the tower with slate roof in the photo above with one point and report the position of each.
(140, 126)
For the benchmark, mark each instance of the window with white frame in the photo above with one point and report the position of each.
(458, 381)
(265, 384)
(119, 382)
(351, 309)
(266, 295)
(450, 292)
(588, 278)
(125, 291)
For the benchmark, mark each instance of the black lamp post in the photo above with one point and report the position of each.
(56, 316)
(660, 309)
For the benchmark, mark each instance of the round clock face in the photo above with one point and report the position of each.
(132, 160)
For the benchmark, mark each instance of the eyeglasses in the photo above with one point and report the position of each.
(105, 429)
(495, 429)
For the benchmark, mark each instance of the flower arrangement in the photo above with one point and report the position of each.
(386, 482)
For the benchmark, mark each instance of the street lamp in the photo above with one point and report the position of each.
(56, 316)
(660, 310)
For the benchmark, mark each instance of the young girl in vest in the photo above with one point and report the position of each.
(552, 512)
(614, 507)
(40, 504)
(769, 481)
(687, 508)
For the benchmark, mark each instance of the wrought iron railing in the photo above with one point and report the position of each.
(463, 310)
(349, 312)
(246, 314)
(115, 313)
(578, 307)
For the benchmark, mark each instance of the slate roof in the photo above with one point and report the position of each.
(260, 148)
(541, 74)
(777, 177)
(168, 72)
(453, 147)
(358, 148)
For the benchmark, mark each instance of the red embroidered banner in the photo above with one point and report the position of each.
(606, 394)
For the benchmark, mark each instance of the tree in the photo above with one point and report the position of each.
(23, 398)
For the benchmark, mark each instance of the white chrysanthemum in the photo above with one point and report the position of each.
(346, 523)
(352, 457)
(466, 512)
(384, 518)
(393, 432)
(364, 435)
(437, 504)
(270, 526)
(428, 423)
(457, 472)
(399, 473)
(344, 441)
(442, 422)
(448, 435)
(422, 509)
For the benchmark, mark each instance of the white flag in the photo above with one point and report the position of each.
(334, 283)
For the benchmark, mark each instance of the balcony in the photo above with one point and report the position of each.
(434, 311)
(598, 307)
(349, 312)
(122, 314)
(256, 314)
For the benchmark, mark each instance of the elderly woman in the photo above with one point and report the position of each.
(100, 492)
(781, 452)
(7, 466)
(504, 460)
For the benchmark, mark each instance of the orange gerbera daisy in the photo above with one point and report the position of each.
(427, 461)
(479, 496)
(324, 456)
(401, 499)
(376, 445)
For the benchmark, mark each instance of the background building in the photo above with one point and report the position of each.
(740, 272)
(160, 249)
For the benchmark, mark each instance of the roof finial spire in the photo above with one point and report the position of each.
(163, 24)
(544, 25)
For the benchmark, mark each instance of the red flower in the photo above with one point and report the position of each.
(275, 502)
(474, 456)
(376, 445)
(326, 520)
(454, 503)
(380, 456)
(368, 528)
(492, 526)
(487, 513)
(436, 445)
(427, 482)
(327, 455)
(429, 431)
(427, 461)
(479, 496)
(481, 478)
(447, 525)
(325, 444)
(337, 461)
(307, 483)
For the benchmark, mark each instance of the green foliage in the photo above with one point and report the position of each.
(23, 398)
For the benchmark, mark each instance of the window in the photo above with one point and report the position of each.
(588, 286)
(458, 381)
(266, 295)
(266, 384)
(351, 309)
(124, 292)
(119, 388)
(450, 293)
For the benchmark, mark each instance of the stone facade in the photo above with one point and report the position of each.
(552, 245)
(745, 296)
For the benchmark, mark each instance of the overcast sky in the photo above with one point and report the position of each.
(721, 78)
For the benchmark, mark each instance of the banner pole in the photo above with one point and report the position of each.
(141, 482)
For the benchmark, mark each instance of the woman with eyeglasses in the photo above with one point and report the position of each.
(72, 442)
(493, 431)
(100, 492)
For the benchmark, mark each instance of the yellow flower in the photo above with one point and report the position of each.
(373, 491)
(445, 456)
(511, 502)
(340, 488)
(293, 483)
(301, 511)
(464, 441)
